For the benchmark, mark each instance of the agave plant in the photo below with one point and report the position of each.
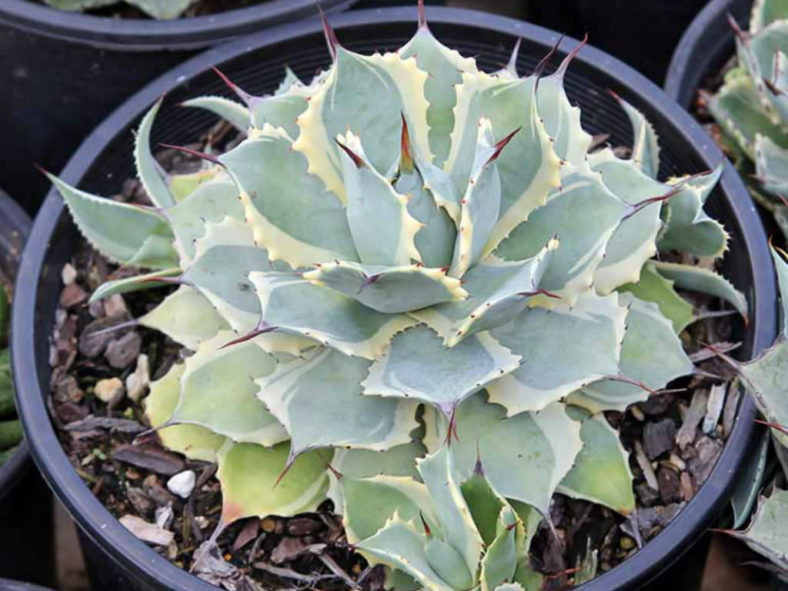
(412, 289)
(752, 106)
(159, 9)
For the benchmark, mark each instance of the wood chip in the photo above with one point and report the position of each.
(147, 532)
(248, 533)
(90, 423)
(714, 406)
(697, 410)
(149, 457)
(645, 466)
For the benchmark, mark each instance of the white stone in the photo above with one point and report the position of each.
(164, 516)
(182, 484)
(109, 389)
(138, 381)
(147, 532)
(69, 274)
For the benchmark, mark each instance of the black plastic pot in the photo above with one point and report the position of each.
(643, 34)
(8, 585)
(704, 49)
(255, 63)
(62, 73)
(25, 501)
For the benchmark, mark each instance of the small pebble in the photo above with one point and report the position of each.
(137, 382)
(72, 295)
(637, 413)
(121, 352)
(108, 390)
(268, 525)
(626, 543)
(658, 438)
(147, 532)
(182, 484)
(115, 305)
(68, 274)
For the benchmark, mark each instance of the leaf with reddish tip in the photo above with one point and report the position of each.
(234, 113)
(295, 306)
(645, 147)
(254, 483)
(149, 171)
(388, 289)
(132, 284)
(766, 533)
(119, 231)
(418, 365)
(651, 355)
(318, 398)
(562, 349)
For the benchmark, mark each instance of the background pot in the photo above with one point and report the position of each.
(256, 63)
(62, 73)
(704, 49)
(26, 550)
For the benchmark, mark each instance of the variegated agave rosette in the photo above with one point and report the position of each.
(751, 107)
(412, 289)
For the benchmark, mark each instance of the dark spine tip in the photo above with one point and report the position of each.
(614, 94)
(191, 152)
(499, 147)
(539, 69)
(330, 34)
(651, 200)
(424, 524)
(735, 26)
(242, 94)
(163, 279)
(422, 16)
(478, 467)
(572, 55)
(351, 154)
(773, 425)
(407, 157)
(262, 328)
(41, 169)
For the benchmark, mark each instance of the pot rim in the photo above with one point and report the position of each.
(151, 35)
(131, 553)
(13, 217)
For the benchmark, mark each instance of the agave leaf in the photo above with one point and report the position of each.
(583, 216)
(645, 147)
(253, 483)
(561, 119)
(651, 354)
(294, 305)
(458, 529)
(293, 216)
(290, 80)
(162, 9)
(370, 503)
(400, 546)
(394, 85)
(562, 349)
(435, 240)
(418, 365)
(511, 587)
(132, 284)
(382, 228)
(764, 12)
(765, 379)
(738, 110)
(748, 486)
(195, 442)
(704, 281)
(445, 68)
(781, 266)
(525, 457)
(653, 287)
(388, 289)
(224, 257)
(231, 372)
(185, 316)
(481, 204)
(209, 201)
(150, 173)
(439, 184)
(231, 111)
(689, 228)
(634, 240)
(760, 56)
(75, 5)
(319, 401)
(281, 110)
(601, 472)
(484, 503)
(118, 230)
(500, 561)
(766, 533)
(498, 292)
(771, 165)
(529, 168)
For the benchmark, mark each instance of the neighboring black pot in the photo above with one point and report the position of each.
(8, 585)
(105, 159)
(704, 49)
(643, 34)
(62, 73)
(26, 550)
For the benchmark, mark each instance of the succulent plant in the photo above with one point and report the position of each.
(159, 9)
(407, 253)
(752, 106)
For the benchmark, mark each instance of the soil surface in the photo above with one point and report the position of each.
(675, 438)
(199, 8)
